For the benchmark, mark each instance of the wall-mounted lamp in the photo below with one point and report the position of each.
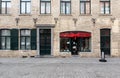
(94, 21)
(35, 20)
(75, 20)
(112, 19)
(55, 19)
(17, 21)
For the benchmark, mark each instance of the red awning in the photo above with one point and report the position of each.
(74, 34)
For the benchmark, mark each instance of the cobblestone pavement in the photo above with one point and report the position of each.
(74, 67)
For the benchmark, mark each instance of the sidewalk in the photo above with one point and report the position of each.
(74, 67)
(58, 60)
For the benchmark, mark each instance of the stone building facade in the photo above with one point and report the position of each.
(59, 28)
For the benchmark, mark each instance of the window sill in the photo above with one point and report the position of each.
(85, 15)
(5, 15)
(65, 14)
(105, 14)
(25, 15)
(45, 15)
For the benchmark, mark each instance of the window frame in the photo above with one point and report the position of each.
(66, 2)
(6, 6)
(5, 37)
(45, 2)
(104, 2)
(25, 45)
(85, 9)
(25, 7)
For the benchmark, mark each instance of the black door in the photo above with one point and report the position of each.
(45, 41)
(105, 41)
(74, 46)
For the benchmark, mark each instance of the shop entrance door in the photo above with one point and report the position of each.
(105, 41)
(74, 46)
(45, 41)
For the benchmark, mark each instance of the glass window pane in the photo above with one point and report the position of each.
(42, 8)
(64, 44)
(3, 7)
(68, 8)
(89, 44)
(47, 7)
(107, 8)
(5, 33)
(23, 47)
(23, 7)
(87, 8)
(22, 32)
(8, 7)
(8, 43)
(3, 42)
(63, 8)
(28, 7)
(28, 43)
(82, 8)
(22, 40)
(23, 43)
(102, 8)
(27, 32)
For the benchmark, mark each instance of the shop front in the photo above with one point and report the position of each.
(75, 42)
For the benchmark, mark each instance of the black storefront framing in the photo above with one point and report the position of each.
(75, 42)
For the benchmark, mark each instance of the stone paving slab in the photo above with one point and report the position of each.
(59, 68)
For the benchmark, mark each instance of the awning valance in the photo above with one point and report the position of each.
(75, 34)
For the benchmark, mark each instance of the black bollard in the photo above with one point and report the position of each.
(102, 57)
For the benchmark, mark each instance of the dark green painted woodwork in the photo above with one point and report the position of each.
(0, 39)
(33, 39)
(14, 39)
(45, 41)
(105, 41)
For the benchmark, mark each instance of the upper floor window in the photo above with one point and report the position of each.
(105, 6)
(45, 6)
(5, 6)
(65, 6)
(5, 39)
(85, 7)
(25, 6)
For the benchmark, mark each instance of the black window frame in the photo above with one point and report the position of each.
(25, 46)
(45, 2)
(1, 36)
(66, 2)
(6, 4)
(25, 7)
(85, 3)
(104, 2)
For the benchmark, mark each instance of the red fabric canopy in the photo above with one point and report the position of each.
(74, 34)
